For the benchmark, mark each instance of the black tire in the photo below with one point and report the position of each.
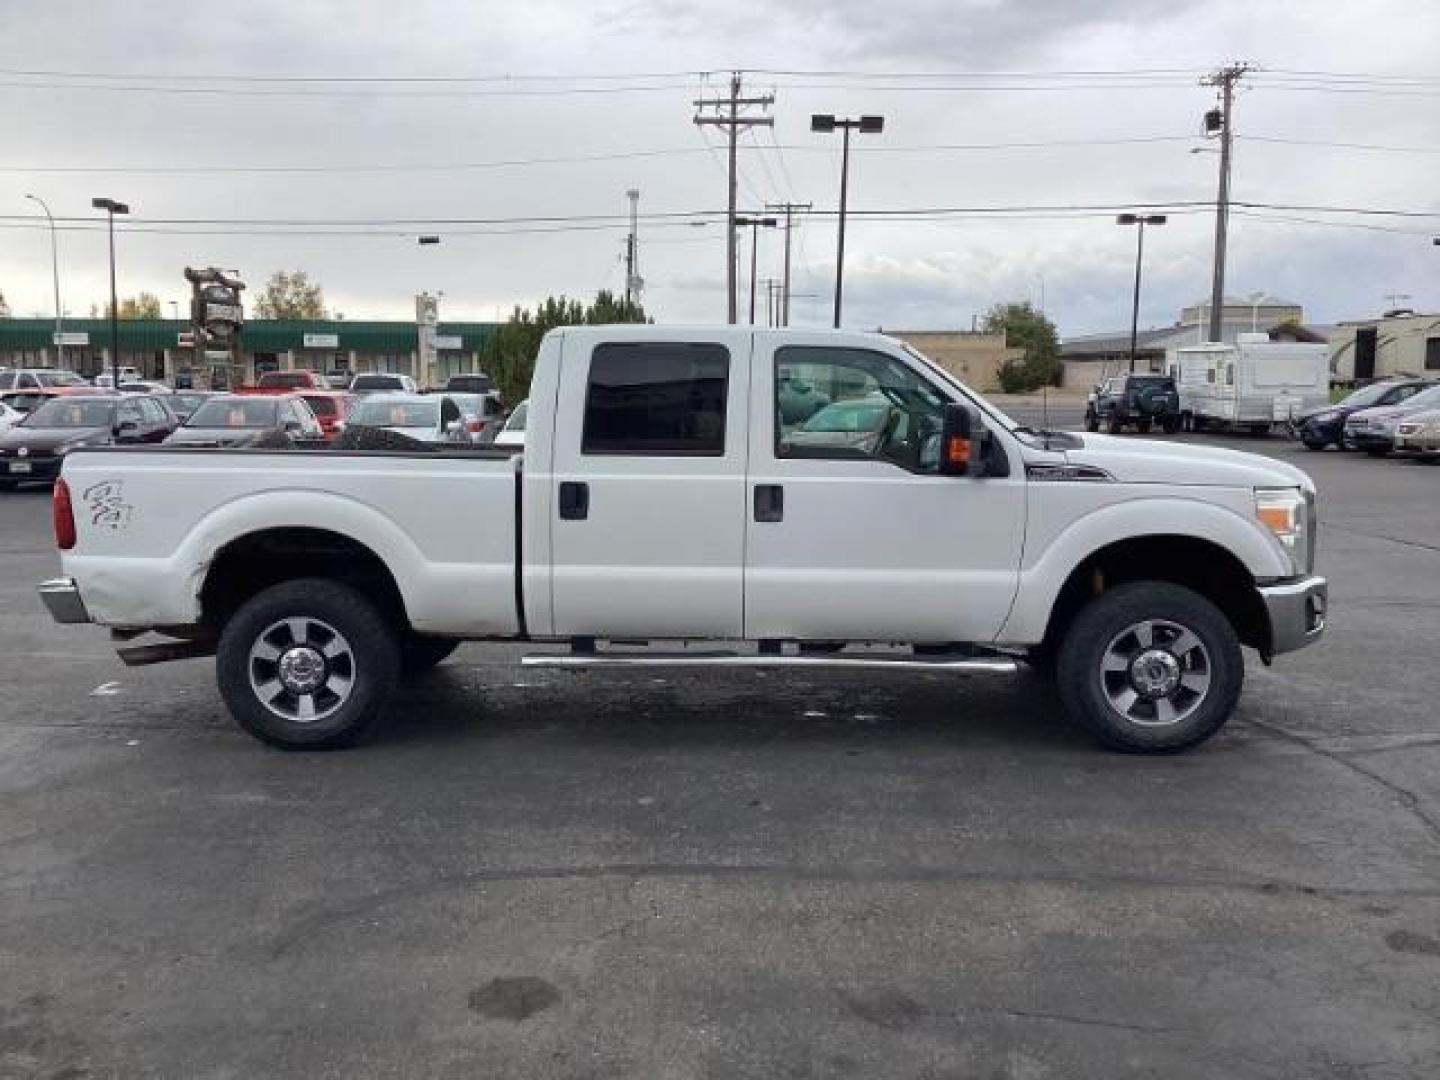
(419, 654)
(1171, 425)
(1092, 422)
(1113, 424)
(1100, 631)
(1376, 451)
(1143, 427)
(9, 485)
(371, 661)
(1314, 444)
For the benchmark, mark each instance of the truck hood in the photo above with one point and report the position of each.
(1149, 461)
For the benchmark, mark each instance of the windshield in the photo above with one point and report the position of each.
(1368, 395)
(286, 378)
(58, 378)
(72, 413)
(1424, 399)
(396, 414)
(234, 413)
(187, 402)
(970, 395)
(320, 406)
(377, 382)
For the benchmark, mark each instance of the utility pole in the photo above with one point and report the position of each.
(772, 302)
(1219, 121)
(754, 224)
(790, 209)
(728, 114)
(633, 282)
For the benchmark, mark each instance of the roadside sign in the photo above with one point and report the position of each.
(185, 340)
(449, 341)
(321, 341)
(71, 337)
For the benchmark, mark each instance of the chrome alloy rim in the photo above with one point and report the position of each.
(302, 669)
(1155, 673)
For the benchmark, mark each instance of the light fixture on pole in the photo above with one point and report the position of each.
(111, 208)
(55, 270)
(755, 224)
(1139, 221)
(869, 125)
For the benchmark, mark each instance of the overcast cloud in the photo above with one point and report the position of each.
(898, 274)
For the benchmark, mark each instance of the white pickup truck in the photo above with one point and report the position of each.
(809, 498)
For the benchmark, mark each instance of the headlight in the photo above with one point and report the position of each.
(1324, 417)
(1286, 513)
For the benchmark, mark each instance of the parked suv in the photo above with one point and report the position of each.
(1143, 400)
(38, 379)
(383, 383)
(475, 383)
(35, 448)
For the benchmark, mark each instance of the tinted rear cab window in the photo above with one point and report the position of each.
(656, 399)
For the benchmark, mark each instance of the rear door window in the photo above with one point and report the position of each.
(656, 399)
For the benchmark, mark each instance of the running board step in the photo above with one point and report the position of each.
(965, 665)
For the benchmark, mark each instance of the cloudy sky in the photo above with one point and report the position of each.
(556, 107)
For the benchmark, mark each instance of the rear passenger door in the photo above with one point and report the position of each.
(647, 515)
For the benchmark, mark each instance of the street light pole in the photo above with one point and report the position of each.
(754, 223)
(55, 270)
(824, 122)
(1140, 221)
(111, 208)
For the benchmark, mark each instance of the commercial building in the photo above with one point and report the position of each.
(1087, 358)
(152, 346)
(973, 358)
(1398, 343)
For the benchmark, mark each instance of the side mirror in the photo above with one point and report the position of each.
(293, 427)
(126, 430)
(964, 441)
(455, 427)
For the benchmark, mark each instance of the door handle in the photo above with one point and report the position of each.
(574, 500)
(769, 502)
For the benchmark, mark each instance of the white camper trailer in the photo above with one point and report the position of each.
(1254, 383)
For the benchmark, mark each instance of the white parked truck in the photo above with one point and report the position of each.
(1253, 384)
(670, 490)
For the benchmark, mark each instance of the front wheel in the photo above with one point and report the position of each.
(307, 665)
(1171, 425)
(1114, 425)
(1314, 444)
(1150, 667)
(1143, 427)
(1092, 422)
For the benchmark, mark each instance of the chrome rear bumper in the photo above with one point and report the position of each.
(62, 599)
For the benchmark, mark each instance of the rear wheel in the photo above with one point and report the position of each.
(1113, 424)
(1150, 667)
(1171, 425)
(1314, 444)
(307, 664)
(1092, 422)
(1377, 451)
(1143, 427)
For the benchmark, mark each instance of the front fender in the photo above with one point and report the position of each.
(1050, 560)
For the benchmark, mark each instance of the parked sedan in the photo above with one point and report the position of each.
(426, 417)
(35, 448)
(1326, 427)
(233, 419)
(27, 401)
(858, 425)
(513, 433)
(483, 414)
(1373, 429)
(331, 408)
(383, 383)
(1418, 436)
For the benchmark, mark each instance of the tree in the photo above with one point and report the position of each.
(4, 307)
(290, 294)
(509, 355)
(1025, 328)
(144, 306)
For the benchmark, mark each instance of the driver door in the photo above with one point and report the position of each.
(851, 532)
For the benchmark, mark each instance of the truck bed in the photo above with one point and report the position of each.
(151, 520)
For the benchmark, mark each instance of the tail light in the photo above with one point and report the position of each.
(475, 426)
(64, 515)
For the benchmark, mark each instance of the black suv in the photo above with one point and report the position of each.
(1145, 401)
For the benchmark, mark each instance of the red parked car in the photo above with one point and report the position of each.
(331, 408)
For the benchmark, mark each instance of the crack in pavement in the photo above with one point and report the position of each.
(1420, 544)
(1407, 798)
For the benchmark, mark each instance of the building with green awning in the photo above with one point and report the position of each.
(152, 346)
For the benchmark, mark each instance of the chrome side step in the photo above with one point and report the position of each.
(964, 665)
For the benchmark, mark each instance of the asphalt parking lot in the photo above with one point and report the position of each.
(561, 874)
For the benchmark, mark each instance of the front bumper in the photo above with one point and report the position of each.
(1372, 439)
(62, 599)
(1322, 431)
(1297, 611)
